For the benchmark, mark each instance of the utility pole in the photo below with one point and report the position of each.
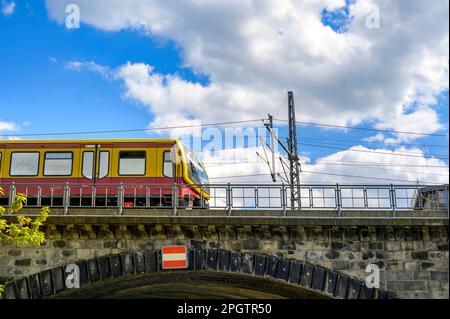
(291, 150)
(294, 163)
(269, 127)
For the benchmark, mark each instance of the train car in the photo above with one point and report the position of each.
(95, 172)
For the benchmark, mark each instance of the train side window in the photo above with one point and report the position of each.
(103, 168)
(88, 164)
(24, 164)
(167, 164)
(132, 163)
(58, 164)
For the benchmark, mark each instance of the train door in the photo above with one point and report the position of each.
(96, 173)
(96, 163)
(165, 177)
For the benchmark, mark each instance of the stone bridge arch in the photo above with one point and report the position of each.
(215, 271)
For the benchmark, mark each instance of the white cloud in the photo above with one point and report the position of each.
(173, 100)
(8, 8)
(380, 168)
(423, 120)
(379, 137)
(53, 59)
(253, 52)
(389, 167)
(91, 66)
(7, 126)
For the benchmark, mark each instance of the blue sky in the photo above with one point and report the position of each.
(32, 83)
(39, 93)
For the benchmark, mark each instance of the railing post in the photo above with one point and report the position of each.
(393, 201)
(174, 199)
(201, 197)
(93, 195)
(446, 199)
(120, 199)
(66, 198)
(283, 199)
(338, 200)
(39, 197)
(366, 200)
(12, 194)
(229, 199)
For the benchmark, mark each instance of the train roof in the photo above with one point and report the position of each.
(82, 141)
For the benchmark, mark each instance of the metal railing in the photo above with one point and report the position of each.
(231, 196)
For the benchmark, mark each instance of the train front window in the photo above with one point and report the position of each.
(197, 172)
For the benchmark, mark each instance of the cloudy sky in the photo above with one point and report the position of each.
(378, 65)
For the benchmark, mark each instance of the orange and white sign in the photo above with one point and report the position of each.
(174, 257)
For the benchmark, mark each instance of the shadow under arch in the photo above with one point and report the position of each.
(212, 273)
(189, 285)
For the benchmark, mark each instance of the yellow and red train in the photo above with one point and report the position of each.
(157, 163)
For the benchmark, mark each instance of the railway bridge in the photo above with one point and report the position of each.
(235, 252)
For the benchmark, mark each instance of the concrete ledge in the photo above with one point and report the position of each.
(163, 217)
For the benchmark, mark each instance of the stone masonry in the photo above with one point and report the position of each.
(413, 259)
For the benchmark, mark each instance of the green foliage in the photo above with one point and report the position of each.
(25, 230)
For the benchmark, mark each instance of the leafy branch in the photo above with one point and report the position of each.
(25, 230)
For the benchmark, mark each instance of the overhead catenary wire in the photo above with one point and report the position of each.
(383, 168)
(362, 163)
(215, 124)
(200, 140)
(364, 128)
(332, 174)
(367, 177)
(130, 130)
(373, 142)
(321, 162)
(398, 152)
(370, 151)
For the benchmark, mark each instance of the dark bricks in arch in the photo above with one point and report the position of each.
(294, 272)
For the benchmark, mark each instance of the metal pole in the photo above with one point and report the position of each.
(338, 200)
(174, 199)
(66, 198)
(229, 199)
(446, 199)
(293, 156)
(392, 192)
(269, 127)
(120, 199)
(272, 146)
(12, 194)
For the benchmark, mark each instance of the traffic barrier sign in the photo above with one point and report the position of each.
(174, 257)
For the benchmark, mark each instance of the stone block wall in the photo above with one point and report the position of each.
(413, 260)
